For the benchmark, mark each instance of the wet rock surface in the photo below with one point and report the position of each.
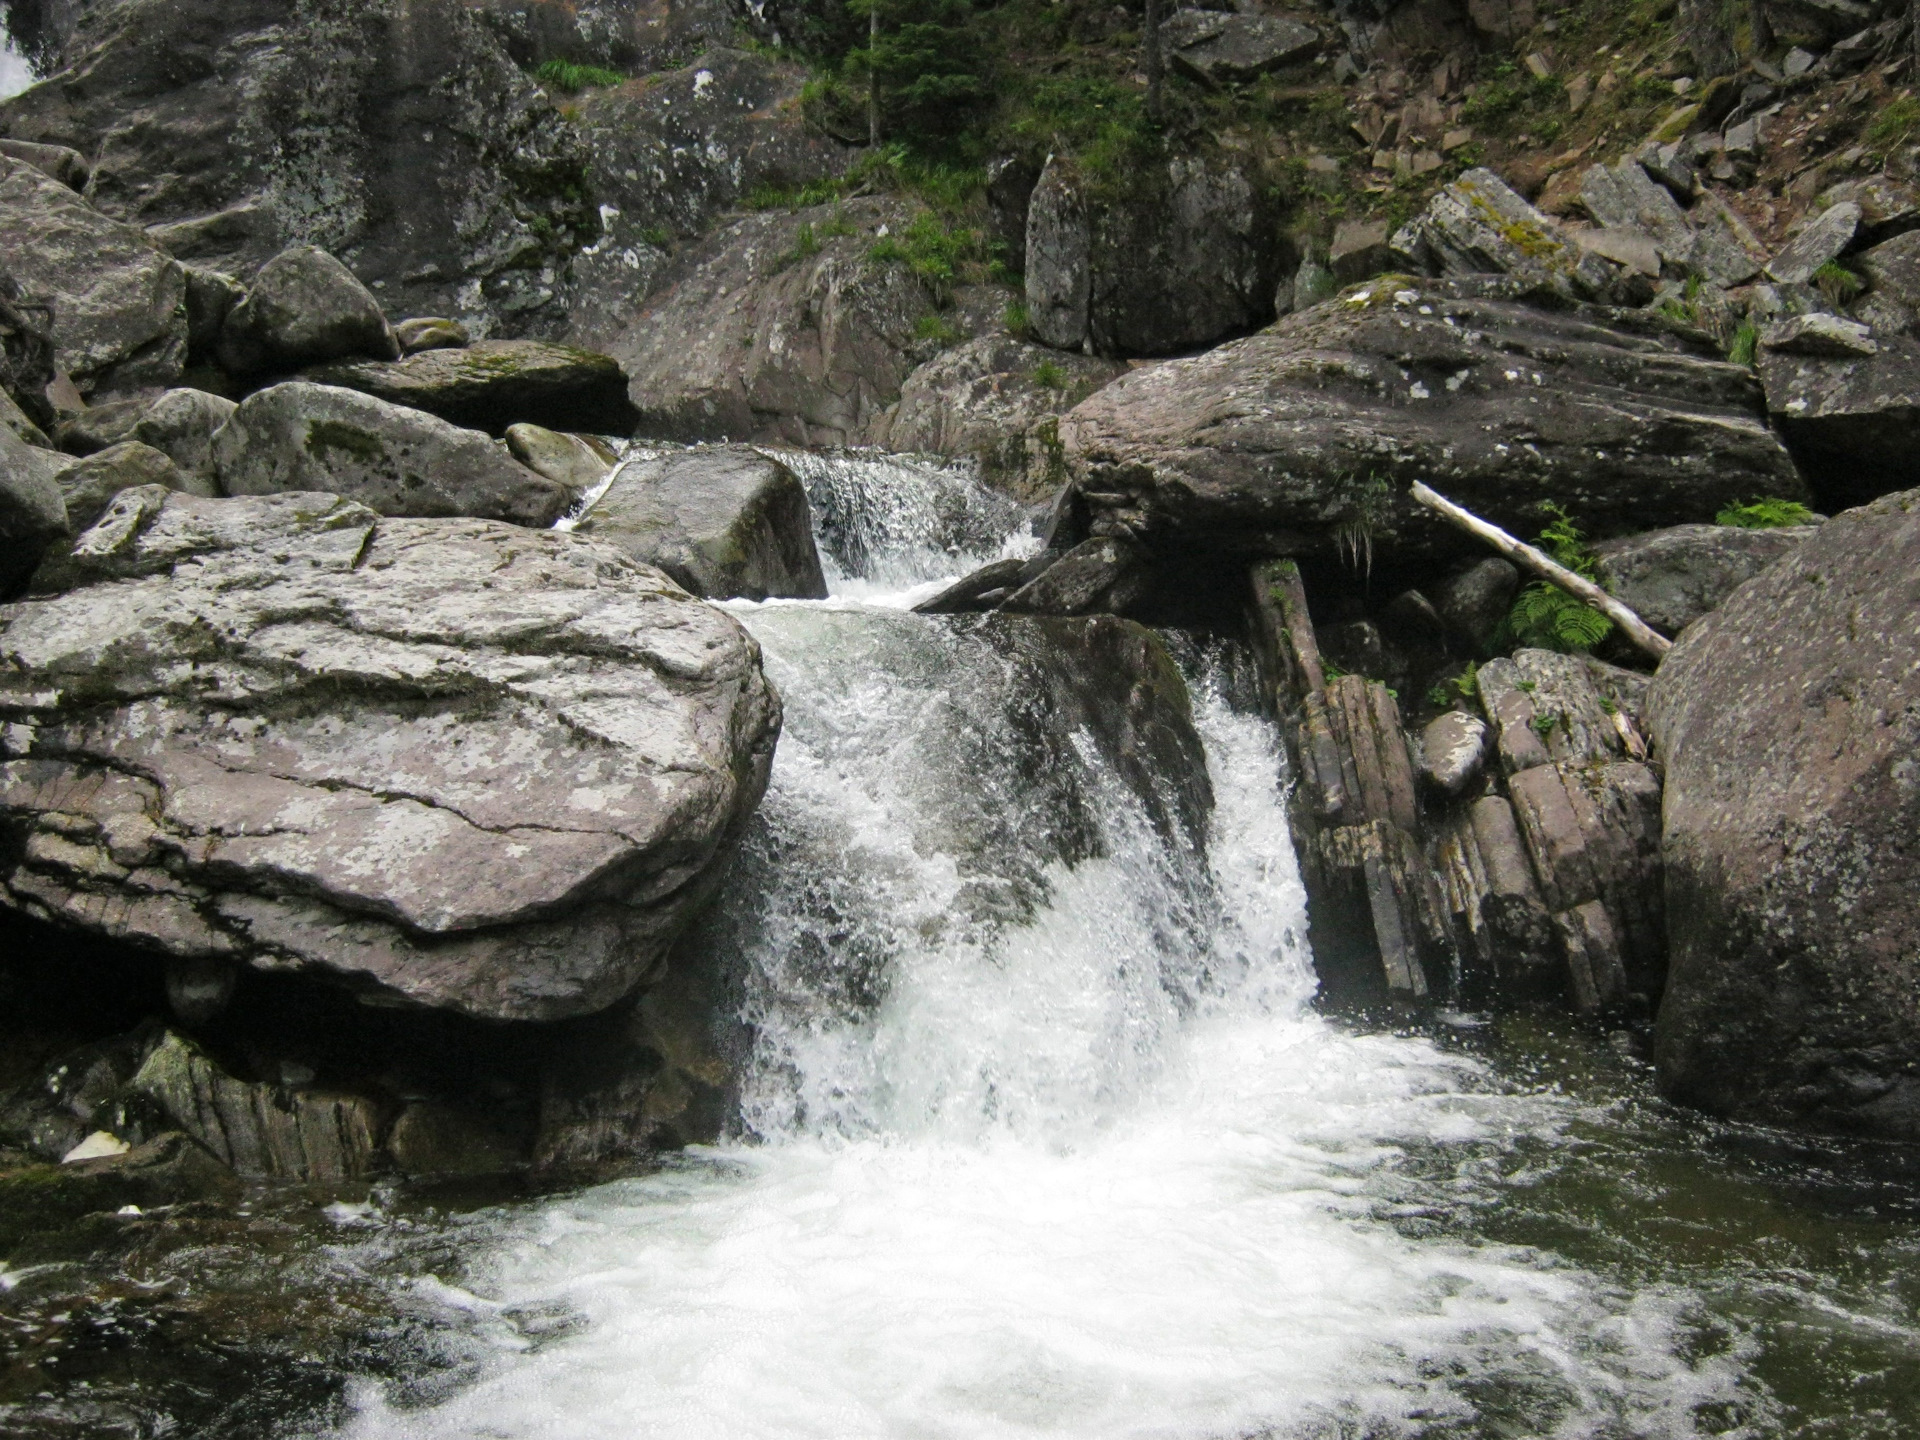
(399, 461)
(546, 746)
(1788, 722)
(725, 523)
(1290, 440)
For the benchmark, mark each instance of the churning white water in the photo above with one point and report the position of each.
(1039, 1136)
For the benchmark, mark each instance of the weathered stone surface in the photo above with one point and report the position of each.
(1887, 207)
(93, 429)
(117, 316)
(1789, 720)
(303, 308)
(211, 297)
(33, 514)
(1672, 577)
(1303, 438)
(458, 763)
(1359, 250)
(434, 1138)
(1103, 574)
(492, 384)
(430, 332)
(1892, 268)
(399, 136)
(983, 589)
(26, 361)
(1825, 237)
(1624, 196)
(1473, 602)
(89, 485)
(1849, 422)
(1478, 225)
(1231, 49)
(60, 162)
(300, 436)
(750, 338)
(1820, 334)
(725, 523)
(181, 424)
(1452, 748)
(1179, 256)
(570, 460)
(261, 1131)
(993, 398)
(670, 154)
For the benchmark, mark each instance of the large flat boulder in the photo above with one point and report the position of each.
(119, 316)
(494, 384)
(1672, 577)
(726, 523)
(1789, 723)
(1304, 439)
(399, 461)
(396, 134)
(1849, 419)
(453, 763)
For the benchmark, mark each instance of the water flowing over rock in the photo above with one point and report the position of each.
(118, 316)
(1789, 722)
(725, 523)
(1302, 439)
(457, 763)
(399, 137)
(300, 436)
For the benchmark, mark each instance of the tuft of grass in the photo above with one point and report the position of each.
(938, 328)
(801, 197)
(1771, 513)
(805, 246)
(1746, 343)
(1049, 376)
(1016, 319)
(1895, 122)
(933, 251)
(1837, 283)
(571, 79)
(656, 236)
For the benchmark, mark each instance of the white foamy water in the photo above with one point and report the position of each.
(1039, 1135)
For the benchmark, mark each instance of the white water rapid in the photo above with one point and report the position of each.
(1039, 1137)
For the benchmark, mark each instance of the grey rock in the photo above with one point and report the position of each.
(1724, 251)
(430, 333)
(1887, 207)
(26, 360)
(93, 429)
(33, 515)
(571, 460)
(1798, 62)
(1302, 439)
(725, 523)
(1788, 721)
(1672, 577)
(1624, 196)
(1479, 225)
(1632, 248)
(211, 297)
(89, 485)
(181, 424)
(1312, 283)
(1101, 574)
(303, 308)
(1825, 237)
(117, 298)
(402, 133)
(1453, 747)
(481, 767)
(750, 339)
(1059, 258)
(1818, 333)
(59, 162)
(1892, 268)
(14, 419)
(492, 384)
(431, 1137)
(986, 399)
(1823, 20)
(1225, 48)
(984, 588)
(299, 436)
(1359, 249)
(261, 1131)
(1475, 601)
(1850, 422)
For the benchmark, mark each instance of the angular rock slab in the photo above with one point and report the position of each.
(400, 461)
(1850, 422)
(118, 299)
(493, 384)
(1305, 437)
(1789, 720)
(1670, 578)
(459, 763)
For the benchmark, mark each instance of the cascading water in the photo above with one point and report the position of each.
(1038, 1135)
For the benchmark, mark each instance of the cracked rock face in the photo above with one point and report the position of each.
(1304, 438)
(456, 762)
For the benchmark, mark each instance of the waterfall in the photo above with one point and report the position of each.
(1039, 1134)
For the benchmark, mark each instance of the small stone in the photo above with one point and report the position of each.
(1579, 91)
(1539, 66)
(1825, 238)
(1359, 249)
(1452, 750)
(304, 308)
(97, 1146)
(1798, 62)
(1454, 139)
(431, 333)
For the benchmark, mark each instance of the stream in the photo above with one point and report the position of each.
(1039, 1134)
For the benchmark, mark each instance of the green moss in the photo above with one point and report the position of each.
(327, 437)
(565, 76)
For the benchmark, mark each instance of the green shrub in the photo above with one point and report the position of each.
(926, 246)
(938, 327)
(1768, 514)
(929, 70)
(1895, 122)
(571, 79)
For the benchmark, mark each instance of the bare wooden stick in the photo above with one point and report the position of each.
(1524, 555)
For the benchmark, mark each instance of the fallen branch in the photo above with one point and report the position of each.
(1524, 555)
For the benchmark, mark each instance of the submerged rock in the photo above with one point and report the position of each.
(1304, 438)
(1789, 722)
(301, 436)
(725, 523)
(457, 763)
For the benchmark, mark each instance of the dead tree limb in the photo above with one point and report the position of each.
(1528, 558)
